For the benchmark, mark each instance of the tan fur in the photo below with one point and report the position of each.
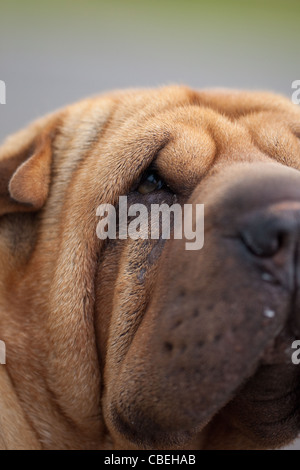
(65, 298)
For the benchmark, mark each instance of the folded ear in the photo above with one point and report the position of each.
(25, 168)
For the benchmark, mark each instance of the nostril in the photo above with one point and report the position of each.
(263, 244)
(259, 249)
(267, 232)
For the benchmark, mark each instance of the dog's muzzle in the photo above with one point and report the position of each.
(216, 312)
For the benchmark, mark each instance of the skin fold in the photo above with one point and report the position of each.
(133, 344)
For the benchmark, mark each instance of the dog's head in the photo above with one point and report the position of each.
(142, 339)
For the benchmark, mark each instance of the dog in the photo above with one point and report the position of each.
(141, 343)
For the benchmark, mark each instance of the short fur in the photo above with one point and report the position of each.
(139, 344)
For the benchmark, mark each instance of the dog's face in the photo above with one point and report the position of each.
(142, 343)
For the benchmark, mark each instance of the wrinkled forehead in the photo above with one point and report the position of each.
(183, 131)
(272, 121)
(228, 127)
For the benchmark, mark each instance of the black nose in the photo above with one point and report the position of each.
(269, 231)
(272, 236)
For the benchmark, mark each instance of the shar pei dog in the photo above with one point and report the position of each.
(136, 342)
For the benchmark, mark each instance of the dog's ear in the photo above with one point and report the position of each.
(25, 168)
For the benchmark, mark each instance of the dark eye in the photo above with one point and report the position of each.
(151, 181)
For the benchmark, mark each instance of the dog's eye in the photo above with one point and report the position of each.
(150, 182)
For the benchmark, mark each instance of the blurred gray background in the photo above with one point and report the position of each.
(53, 53)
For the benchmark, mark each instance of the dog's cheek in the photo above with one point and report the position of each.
(125, 280)
(123, 285)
